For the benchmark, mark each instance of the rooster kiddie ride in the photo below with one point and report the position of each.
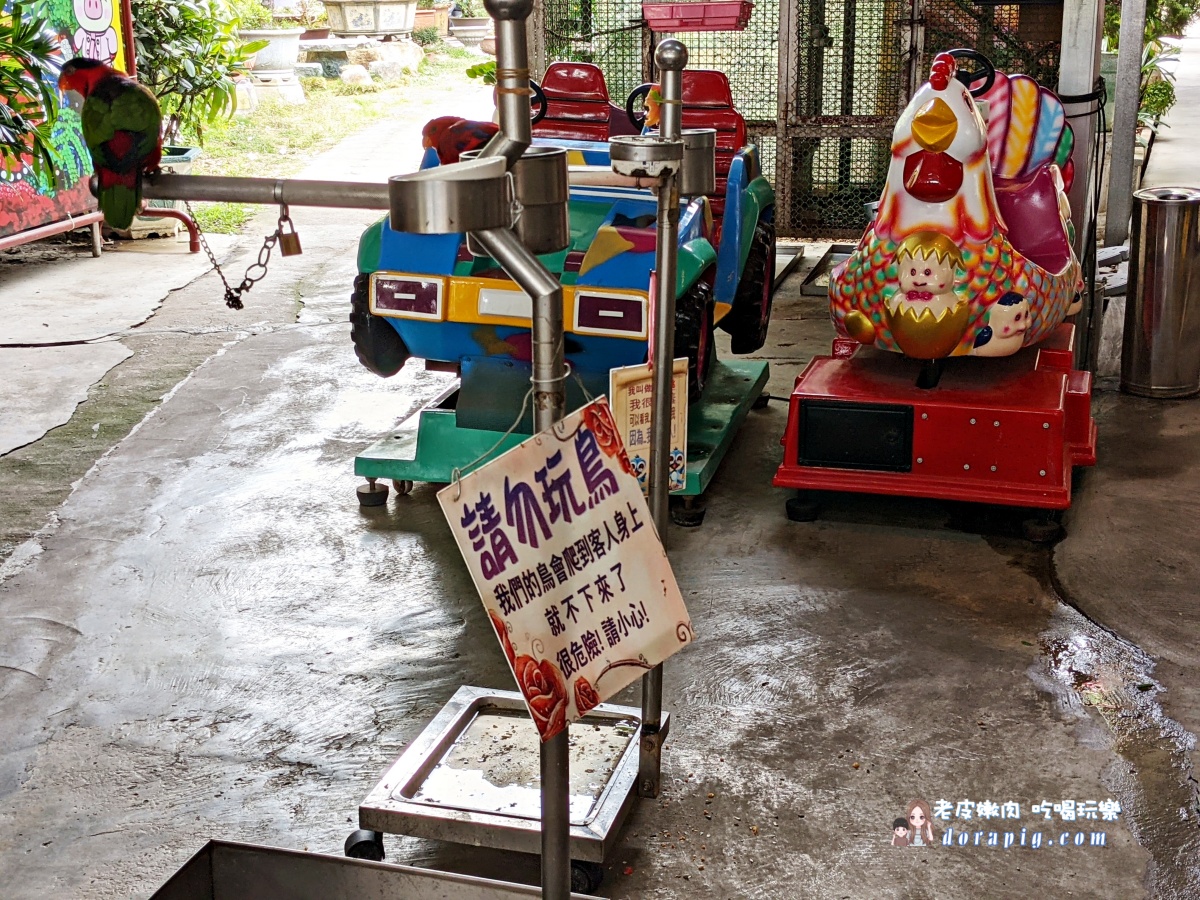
(429, 296)
(969, 256)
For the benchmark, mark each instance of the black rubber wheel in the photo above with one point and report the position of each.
(403, 488)
(537, 103)
(372, 494)
(748, 320)
(634, 104)
(1043, 529)
(585, 876)
(694, 335)
(688, 515)
(377, 344)
(981, 68)
(802, 509)
(761, 401)
(364, 844)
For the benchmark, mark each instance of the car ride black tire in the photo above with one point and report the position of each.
(377, 344)
(694, 335)
(747, 322)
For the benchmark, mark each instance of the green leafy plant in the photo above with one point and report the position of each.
(426, 36)
(472, 9)
(28, 102)
(189, 53)
(485, 71)
(1156, 92)
(252, 15)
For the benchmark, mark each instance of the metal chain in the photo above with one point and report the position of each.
(233, 295)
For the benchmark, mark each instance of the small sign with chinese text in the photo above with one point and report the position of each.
(574, 578)
(631, 389)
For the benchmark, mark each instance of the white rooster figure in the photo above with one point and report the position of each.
(942, 210)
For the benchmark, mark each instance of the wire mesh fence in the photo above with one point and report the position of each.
(819, 82)
(1025, 38)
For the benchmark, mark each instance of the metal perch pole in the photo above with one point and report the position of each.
(671, 57)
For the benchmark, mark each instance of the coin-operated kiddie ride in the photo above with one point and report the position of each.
(443, 299)
(952, 373)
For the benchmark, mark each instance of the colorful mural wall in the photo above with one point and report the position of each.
(27, 200)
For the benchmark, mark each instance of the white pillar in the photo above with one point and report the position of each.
(1083, 21)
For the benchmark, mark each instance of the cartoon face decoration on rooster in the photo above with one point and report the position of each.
(970, 218)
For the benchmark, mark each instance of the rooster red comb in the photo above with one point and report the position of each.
(942, 71)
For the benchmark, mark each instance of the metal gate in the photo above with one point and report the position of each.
(819, 82)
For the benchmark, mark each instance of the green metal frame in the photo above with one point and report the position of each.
(430, 447)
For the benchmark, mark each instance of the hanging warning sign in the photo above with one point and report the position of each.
(632, 390)
(559, 541)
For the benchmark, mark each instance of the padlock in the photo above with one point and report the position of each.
(289, 241)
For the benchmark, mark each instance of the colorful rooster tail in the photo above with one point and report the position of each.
(1027, 128)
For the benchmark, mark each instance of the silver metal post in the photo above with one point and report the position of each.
(1124, 124)
(549, 371)
(670, 57)
(512, 79)
(267, 191)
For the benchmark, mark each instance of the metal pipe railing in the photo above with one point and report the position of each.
(267, 191)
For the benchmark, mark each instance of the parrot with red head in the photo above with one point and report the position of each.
(451, 136)
(121, 125)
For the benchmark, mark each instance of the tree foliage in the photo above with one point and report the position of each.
(188, 54)
(1164, 18)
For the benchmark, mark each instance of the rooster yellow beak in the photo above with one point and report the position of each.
(934, 127)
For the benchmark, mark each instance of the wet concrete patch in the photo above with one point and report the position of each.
(43, 386)
(1099, 676)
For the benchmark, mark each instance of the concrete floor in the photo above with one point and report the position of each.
(205, 636)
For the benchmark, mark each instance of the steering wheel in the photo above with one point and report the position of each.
(635, 104)
(537, 103)
(981, 68)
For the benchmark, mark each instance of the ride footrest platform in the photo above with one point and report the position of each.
(430, 445)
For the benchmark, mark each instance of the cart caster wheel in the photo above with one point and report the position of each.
(761, 401)
(403, 488)
(802, 509)
(1042, 530)
(688, 513)
(364, 844)
(585, 876)
(372, 493)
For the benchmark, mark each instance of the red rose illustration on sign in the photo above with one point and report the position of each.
(502, 633)
(585, 695)
(597, 418)
(545, 693)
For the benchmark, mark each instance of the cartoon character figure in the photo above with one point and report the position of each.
(1007, 322)
(920, 820)
(926, 317)
(640, 467)
(95, 38)
(678, 475)
(899, 833)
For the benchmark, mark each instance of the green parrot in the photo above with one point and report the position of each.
(122, 129)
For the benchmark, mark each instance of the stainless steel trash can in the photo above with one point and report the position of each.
(1160, 352)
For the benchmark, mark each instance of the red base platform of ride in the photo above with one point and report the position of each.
(1005, 431)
